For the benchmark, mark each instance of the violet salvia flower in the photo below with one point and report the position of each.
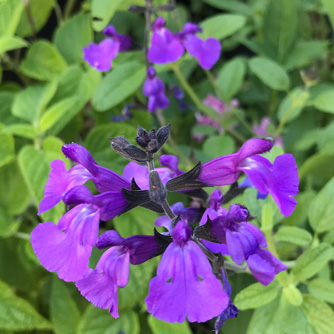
(245, 242)
(60, 181)
(185, 283)
(154, 89)
(100, 55)
(280, 179)
(231, 311)
(66, 247)
(165, 46)
(100, 286)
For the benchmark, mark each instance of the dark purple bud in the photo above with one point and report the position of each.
(137, 9)
(157, 189)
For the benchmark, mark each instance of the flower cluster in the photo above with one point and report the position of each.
(191, 281)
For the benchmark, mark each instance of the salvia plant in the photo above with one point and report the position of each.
(156, 157)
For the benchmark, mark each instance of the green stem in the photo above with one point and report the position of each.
(69, 8)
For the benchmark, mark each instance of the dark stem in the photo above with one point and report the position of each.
(168, 211)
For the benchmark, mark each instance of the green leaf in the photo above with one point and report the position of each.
(52, 149)
(54, 113)
(8, 43)
(322, 289)
(218, 145)
(30, 103)
(294, 235)
(319, 314)
(255, 295)
(305, 53)
(7, 149)
(43, 61)
(293, 104)
(17, 314)
(321, 210)
(10, 13)
(319, 164)
(311, 262)
(231, 77)
(325, 101)
(22, 130)
(71, 37)
(222, 26)
(14, 194)
(64, 312)
(161, 327)
(35, 169)
(97, 321)
(104, 11)
(40, 11)
(293, 295)
(279, 317)
(329, 7)
(119, 84)
(267, 217)
(325, 139)
(270, 73)
(231, 6)
(277, 34)
(8, 226)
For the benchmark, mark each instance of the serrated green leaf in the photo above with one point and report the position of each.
(319, 314)
(311, 262)
(40, 10)
(64, 312)
(14, 194)
(8, 43)
(161, 327)
(294, 235)
(231, 77)
(322, 289)
(72, 36)
(97, 321)
(35, 169)
(255, 296)
(10, 13)
(321, 210)
(222, 26)
(17, 314)
(43, 61)
(119, 84)
(270, 73)
(325, 102)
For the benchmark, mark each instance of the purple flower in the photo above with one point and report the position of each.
(165, 47)
(100, 55)
(214, 103)
(185, 283)
(206, 52)
(65, 248)
(261, 130)
(60, 181)
(100, 286)
(244, 241)
(280, 179)
(154, 89)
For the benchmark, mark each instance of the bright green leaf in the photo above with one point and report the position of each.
(325, 102)
(7, 149)
(43, 61)
(329, 6)
(22, 130)
(119, 84)
(319, 164)
(294, 235)
(8, 43)
(104, 11)
(218, 145)
(222, 26)
(71, 37)
(17, 314)
(319, 314)
(162, 327)
(311, 262)
(10, 13)
(267, 217)
(270, 73)
(293, 295)
(255, 296)
(231, 77)
(64, 312)
(322, 289)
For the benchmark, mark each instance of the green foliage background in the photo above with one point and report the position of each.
(278, 60)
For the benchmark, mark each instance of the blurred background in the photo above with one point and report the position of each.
(274, 79)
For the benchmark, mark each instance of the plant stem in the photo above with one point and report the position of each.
(58, 12)
(68, 8)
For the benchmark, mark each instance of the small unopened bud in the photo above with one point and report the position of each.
(157, 191)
